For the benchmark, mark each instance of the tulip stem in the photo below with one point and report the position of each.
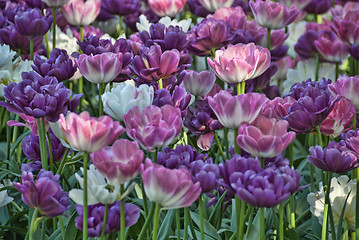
(32, 224)
(31, 48)
(281, 221)
(241, 88)
(268, 38)
(63, 162)
(355, 123)
(261, 159)
(47, 45)
(123, 228)
(336, 71)
(81, 33)
(186, 218)
(53, 28)
(320, 140)
(178, 224)
(219, 146)
(326, 205)
(201, 216)
(8, 137)
(102, 87)
(85, 210)
(237, 150)
(160, 84)
(42, 141)
(104, 222)
(62, 226)
(156, 221)
(262, 223)
(291, 201)
(317, 65)
(241, 219)
(119, 25)
(51, 158)
(147, 222)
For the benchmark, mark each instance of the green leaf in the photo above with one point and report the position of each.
(166, 225)
(340, 223)
(209, 230)
(291, 234)
(71, 229)
(217, 207)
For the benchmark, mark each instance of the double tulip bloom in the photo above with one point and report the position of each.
(240, 62)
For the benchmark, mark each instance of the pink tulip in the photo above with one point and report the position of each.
(265, 138)
(171, 188)
(154, 126)
(167, 7)
(101, 68)
(213, 5)
(89, 134)
(80, 13)
(240, 62)
(232, 111)
(119, 163)
(347, 87)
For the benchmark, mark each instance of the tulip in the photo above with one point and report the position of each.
(123, 97)
(167, 7)
(119, 163)
(347, 87)
(318, 6)
(330, 47)
(232, 111)
(265, 138)
(171, 188)
(79, 12)
(46, 194)
(89, 134)
(55, 3)
(32, 23)
(121, 7)
(240, 62)
(154, 127)
(213, 5)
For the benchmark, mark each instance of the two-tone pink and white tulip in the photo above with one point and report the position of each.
(100, 68)
(80, 12)
(213, 5)
(119, 163)
(89, 134)
(171, 188)
(153, 127)
(347, 87)
(232, 111)
(167, 7)
(240, 62)
(198, 84)
(265, 137)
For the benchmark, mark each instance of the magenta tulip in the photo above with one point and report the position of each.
(167, 7)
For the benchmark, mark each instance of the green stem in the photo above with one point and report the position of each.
(123, 229)
(262, 224)
(186, 220)
(32, 224)
(261, 159)
(219, 146)
(81, 33)
(42, 141)
(312, 178)
(355, 123)
(291, 201)
(281, 221)
(201, 217)
(31, 48)
(119, 25)
(104, 223)
(85, 210)
(241, 219)
(320, 140)
(326, 206)
(47, 45)
(54, 28)
(50, 152)
(156, 221)
(336, 71)
(155, 155)
(178, 224)
(160, 84)
(317, 65)
(147, 222)
(268, 38)
(81, 90)
(62, 226)
(63, 162)
(8, 138)
(237, 150)
(194, 236)
(102, 87)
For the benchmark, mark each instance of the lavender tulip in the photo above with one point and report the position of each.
(346, 86)
(154, 127)
(46, 194)
(318, 6)
(121, 7)
(197, 9)
(32, 23)
(206, 174)
(232, 111)
(171, 188)
(119, 163)
(178, 99)
(96, 213)
(265, 138)
(198, 84)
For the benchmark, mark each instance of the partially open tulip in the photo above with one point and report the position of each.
(347, 87)
(199, 84)
(240, 62)
(80, 12)
(154, 127)
(213, 5)
(171, 188)
(119, 163)
(265, 138)
(232, 111)
(167, 7)
(101, 68)
(89, 134)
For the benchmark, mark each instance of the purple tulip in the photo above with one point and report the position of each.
(234, 17)
(154, 127)
(96, 213)
(39, 97)
(330, 47)
(198, 84)
(299, 3)
(179, 98)
(232, 111)
(46, 194)
(318, 6)
(305, 47)
(349, 143)
(40, 4)
(265, 138)
(273, 15)
(119, 163)
(32, 23)
(171, 188)
(197, 9)
(206, 173)
(266, 188)
(347, 87)
(59, 65)
(121, 7)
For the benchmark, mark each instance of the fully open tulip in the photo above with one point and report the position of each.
(154, 127)
(166, 7)
(119, 163)
(80, 12)
(232, 111)
(101, 68)
(171, 188)
(89, 134)
(265, 138)
(240, 62)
